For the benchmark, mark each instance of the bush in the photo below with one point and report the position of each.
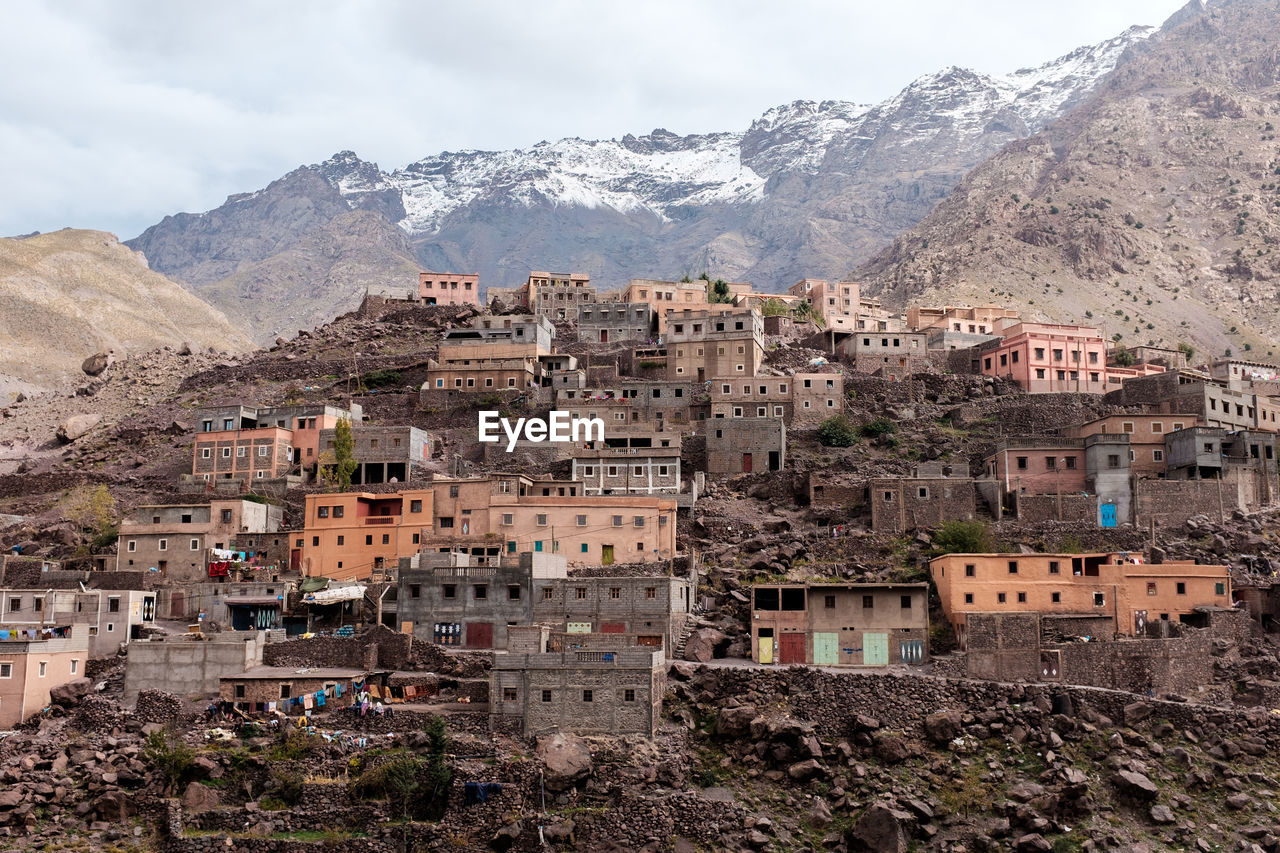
(879, 427)
(1123, 357)
(173, 758)
(837, 431)
(963, 537)
(382, 378)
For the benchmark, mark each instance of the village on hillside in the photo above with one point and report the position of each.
(797, 482)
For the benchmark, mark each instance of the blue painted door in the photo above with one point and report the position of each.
(1107, 513)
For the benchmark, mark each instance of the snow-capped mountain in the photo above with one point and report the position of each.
(661, 171)
(809, 189)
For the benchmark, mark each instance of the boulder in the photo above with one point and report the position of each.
(1032, 842)
(96, 363)
(200, 798)
(942, 727)
(71, 693)
(114, 807)
(10, 798)
(881, 829)
(735, 722)
(1136, 785)
(567, 760)
(804, 770)
(702, 643)
(891, 749)
(1136, 712)
(76, 427)
(507, 836)
(1161, 814)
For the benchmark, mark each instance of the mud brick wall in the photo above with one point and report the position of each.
(1003, 646)
(1081, 509)
(1172, 502)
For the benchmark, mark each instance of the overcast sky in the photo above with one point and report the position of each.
(114, 114)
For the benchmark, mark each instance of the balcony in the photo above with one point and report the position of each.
(382, 519)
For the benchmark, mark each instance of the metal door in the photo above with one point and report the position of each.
(577, 627)
(765, 651)
(824, 649)
(613, 628)
(479, 635)
(1107, 515)
(911, 651)
(746, 463)
(791, 648)
(606, 555)
(875, 649)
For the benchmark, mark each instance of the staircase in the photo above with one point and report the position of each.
(691, 624)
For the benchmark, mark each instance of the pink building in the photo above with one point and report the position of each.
(447, 288)
(1048, 358)
(35, 660)
(1039, 465)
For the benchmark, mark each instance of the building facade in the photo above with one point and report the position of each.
(174, 540)
(33, 661)
(840, 624)
(746, 446)
(449, 288)
(1048, 358)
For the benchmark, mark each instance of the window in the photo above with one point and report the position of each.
(44, 667)
(315, 541)
(1040, 353)
(1001, 597)
(970, 570)
(1051, 462)
(617, 521)
(1022, 463)
(415, 506)
(513, 592)
(15, 604)
(968, 598)
(240, 452)
(415, 591)
(1151, 587)
(163, 545)
(1053, 567)
(337, 512)
(1099, 600)
(1113, 461)
(1220, 589)
(580, 593)
(541, 519)
(1013, 567)
(368, 540)
(205, 453)
(1157, 455)
(1039, 373)
(905, 602)
(509, 694)
(480, 591)
(868, 602)
(587, 696)
(226, 453)
(386, 539)
(638, 521)
(651, 592)
(6, 670)
(195, 544)
(508, 519)
(615, 592)
(239, 691)
(629, 695)
(286, 691)
(1070, 461)
(1056, 597)
(322, 512)
(1181, 588)
(113, 604)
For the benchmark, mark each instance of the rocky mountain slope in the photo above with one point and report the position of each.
(809, 189)
(1153, 209)
(72, 293)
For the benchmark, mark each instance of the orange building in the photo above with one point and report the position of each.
(1047, 358)
(33, 661)
(230, 440)
(435, 288)
(352, 535)
(1120, 587)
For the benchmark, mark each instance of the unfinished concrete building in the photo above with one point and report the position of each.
(937, 492)
(653, 608)
(746, 446)
(629, 461)
(840, 624)
(612, 322)
(383, 454)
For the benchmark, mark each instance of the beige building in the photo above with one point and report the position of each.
(557, 296)
(702, 344)
(840, 624)
(108, 618)
(173, 540)
(802, 401)
(978, 320)
(33, 661)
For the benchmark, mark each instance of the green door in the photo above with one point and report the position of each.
(875, 649)
(824, 649)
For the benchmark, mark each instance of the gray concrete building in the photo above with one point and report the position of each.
(384, 454)
(505, 329)
(746, 446)
(654, 608)
(190, 665)
(638, 462)
(591, 684)
(611, 322)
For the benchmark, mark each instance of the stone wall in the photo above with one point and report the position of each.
(375, 648)
(1082, 509)
(1172, 502)
(1146, 667)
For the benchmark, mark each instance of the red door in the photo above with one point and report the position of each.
(746, 463)
(791, 648)
(613, 628)
(604, 336)
(479, 635)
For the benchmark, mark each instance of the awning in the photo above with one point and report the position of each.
(334, 595)
(253, 601)
(313, 584)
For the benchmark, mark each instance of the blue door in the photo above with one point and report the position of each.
(1107, 512)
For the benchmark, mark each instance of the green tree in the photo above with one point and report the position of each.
(338, 465)
(1188, 350)
(719, 291)
(963, 537)
(837, 431)
(1123, 357)
(173, 758)
(94, 510)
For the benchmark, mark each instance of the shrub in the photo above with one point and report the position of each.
(963, 537)
(1123, 357)
(382, 378)
(837, 431)
(879, 427)
(173, 758)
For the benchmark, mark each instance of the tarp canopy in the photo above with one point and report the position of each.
(313, 584)
(336, 595)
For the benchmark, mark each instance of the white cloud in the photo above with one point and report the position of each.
(114, 115)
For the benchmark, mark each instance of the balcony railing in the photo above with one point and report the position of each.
(382, 519)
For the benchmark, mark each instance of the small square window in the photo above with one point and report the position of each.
(1022, 598)
(829, 602)
(1099, 600)
(1181, 588)
(587, 696)
(449, 591)
(509, 694)
(970, 570)
(968, 598)
(628, 695)
(868, 602)
(1053, 567)
(1056, 597)
(1001, 597)
(546, 696)
(513, 592)
(481, 591)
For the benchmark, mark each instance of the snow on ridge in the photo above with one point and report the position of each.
(662, 170)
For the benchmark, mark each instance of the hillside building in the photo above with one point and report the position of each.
(840, 624)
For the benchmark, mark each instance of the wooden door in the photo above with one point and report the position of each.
(606, 555)
(875, 649)
(613, 628)
(479, 635)
(824, 649)
(746, 463)
(791, 648)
